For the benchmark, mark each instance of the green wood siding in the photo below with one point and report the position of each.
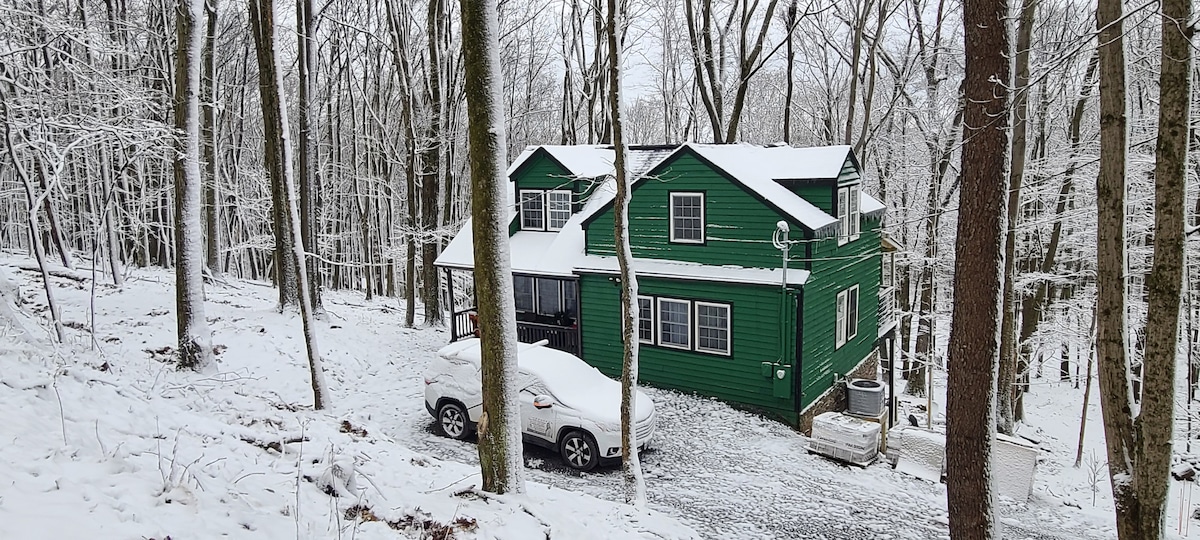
(756, 331)
(849, 174)
(820, 195)
(738, 226)
(835, 269)
(542, 172)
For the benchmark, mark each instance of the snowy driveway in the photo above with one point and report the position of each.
(727, 473)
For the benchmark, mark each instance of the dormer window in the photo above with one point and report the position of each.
(687, 218)
(545, 210)
(558, 208)
(848, 214)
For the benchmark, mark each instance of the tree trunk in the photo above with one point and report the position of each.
(500, 425)
(974, 346)
(1016, 177)
(208, 131)
(309, 180)
(195, 341)
(1112, 342)
(262, 25)
(631, 467)
(432, 161)
(1153, 427)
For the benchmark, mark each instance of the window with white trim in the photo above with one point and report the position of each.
(847, 316)
(848, 199)
(712, 328)
(645, 319)
(558, 209)
(533, 212)
(687, 218)
(674, 323)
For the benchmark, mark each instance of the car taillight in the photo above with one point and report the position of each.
(428, 381)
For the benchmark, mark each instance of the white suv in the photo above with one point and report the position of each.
(566, 405)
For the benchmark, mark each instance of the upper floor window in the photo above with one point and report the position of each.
(687, 218)
(533, 211)
(558, 209)
(545, 210)
(847, 316)
(848, 214)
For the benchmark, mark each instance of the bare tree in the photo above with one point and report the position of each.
(262, 20)
(1111, 339)
(306, 41)
(500, 425)
(262, 24)
(631, 467)
(195, 341)
(1016, 176)
(1152, 428)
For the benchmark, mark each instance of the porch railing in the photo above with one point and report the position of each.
(463, 325)
(559, 337)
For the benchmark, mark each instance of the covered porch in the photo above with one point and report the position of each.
(547, 308)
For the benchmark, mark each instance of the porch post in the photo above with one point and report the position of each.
(450, 303)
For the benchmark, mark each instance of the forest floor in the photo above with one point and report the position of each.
(115, 443)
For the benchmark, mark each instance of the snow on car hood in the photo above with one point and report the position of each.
(573, 382)
(581, 387)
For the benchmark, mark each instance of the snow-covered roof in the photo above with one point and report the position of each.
(562, 253)
(758, 168)
(656, 268)
(868, 205)
(594, 161)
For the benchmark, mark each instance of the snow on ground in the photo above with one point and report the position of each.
(118, 444)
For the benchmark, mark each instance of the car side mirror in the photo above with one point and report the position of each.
(543, 401)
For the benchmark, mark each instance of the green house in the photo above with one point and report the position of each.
(761, 270)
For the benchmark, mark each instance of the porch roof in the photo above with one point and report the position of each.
(600, 264)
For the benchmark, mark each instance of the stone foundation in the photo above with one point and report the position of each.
(834, 399)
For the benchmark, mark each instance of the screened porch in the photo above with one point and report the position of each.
(547, 308)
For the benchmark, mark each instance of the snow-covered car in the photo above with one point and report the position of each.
(566, 405)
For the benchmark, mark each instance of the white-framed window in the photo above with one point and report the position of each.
(687, 218)
(533, 211)
(847, 315)
(848, 214)
(712, 328)
(674, 323)
(645, 319)
(558, 209)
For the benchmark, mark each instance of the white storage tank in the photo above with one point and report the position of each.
(865, 397)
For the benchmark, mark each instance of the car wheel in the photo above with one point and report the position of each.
(452, 419)
(579, 451)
